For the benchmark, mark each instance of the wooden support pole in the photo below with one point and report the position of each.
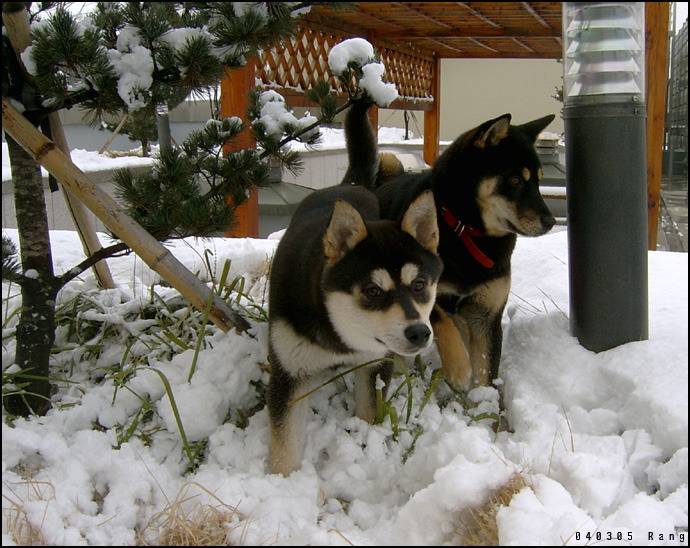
(151, 251)
(19, 33)
(374, 121)
(432, 118)
(234, 101)
(82, 222)
(114, 134)
(656, 57)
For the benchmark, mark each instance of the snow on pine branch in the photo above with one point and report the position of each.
(354, 50)
(382, 93)
(277, 120)
(358, 52)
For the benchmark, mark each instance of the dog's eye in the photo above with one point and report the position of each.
(515, 180)
(418, 285)
(372, 291)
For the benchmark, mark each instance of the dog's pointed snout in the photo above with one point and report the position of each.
(547, 221)
(418, 334)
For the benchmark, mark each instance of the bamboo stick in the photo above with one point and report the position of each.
(82, 221)
(114, 134)
(19, 33)
(151, 251)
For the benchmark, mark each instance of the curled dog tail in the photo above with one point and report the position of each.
(362, 152)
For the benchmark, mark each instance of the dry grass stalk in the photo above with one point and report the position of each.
(180, 525)
(22, 530)
(478, 526)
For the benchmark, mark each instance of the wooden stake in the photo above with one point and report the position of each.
(432, 118)
(82, 221)
(374, 121)
(19, 33)
(151, 251)
(115, 134)
(656, 51)
(234, 101)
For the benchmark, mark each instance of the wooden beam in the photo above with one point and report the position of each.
(478, 43)
(479, 15)
(444, 45)
(472, 32)
(411, 104)
(234, 101)
(432, 118)
(318, 22)
(656, 55)
(379, 19)
(534, 14)
(151, 251)
(523, 54)
(295, 98)
(424, 15)
(522, 44)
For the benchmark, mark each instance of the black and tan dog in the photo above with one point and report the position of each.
(346, 288)
(486, 189)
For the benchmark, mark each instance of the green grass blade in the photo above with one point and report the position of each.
(176, 413)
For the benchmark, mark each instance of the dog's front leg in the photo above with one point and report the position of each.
(365, 389)
(483, 312)
(450, 334)
(288, 420)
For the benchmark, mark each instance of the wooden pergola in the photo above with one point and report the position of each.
(413, 37)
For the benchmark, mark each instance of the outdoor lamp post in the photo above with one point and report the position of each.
(606, 180)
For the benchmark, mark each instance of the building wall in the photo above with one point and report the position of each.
(476, 90)
(472, 91)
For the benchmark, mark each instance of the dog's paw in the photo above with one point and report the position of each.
(458, 374)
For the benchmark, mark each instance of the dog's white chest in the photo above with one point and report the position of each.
(302, 358)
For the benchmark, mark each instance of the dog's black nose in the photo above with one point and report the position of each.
(547, 221)
(418, 334)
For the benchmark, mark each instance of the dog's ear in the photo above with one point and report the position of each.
(420, 221)
(492, 132)
(345, 230)
(535, 127)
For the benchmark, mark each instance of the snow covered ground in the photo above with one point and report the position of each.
(601, 438)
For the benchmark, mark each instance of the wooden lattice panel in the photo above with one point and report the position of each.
(298, 63)
(412, 75)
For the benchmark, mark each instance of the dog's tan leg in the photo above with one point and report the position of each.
(287, 418)
(483, 312)
(455, 360)
(287, 439)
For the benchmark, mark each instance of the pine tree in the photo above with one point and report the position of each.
(134, 57)
(124, 58)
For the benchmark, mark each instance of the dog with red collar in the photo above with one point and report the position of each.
(486, 189)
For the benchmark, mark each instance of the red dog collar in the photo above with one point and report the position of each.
(465, 233)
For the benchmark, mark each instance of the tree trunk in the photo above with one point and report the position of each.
(145, 148)
(36, 327)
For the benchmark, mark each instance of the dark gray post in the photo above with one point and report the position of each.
(163, 127)
(606, 185)
(606, 172)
